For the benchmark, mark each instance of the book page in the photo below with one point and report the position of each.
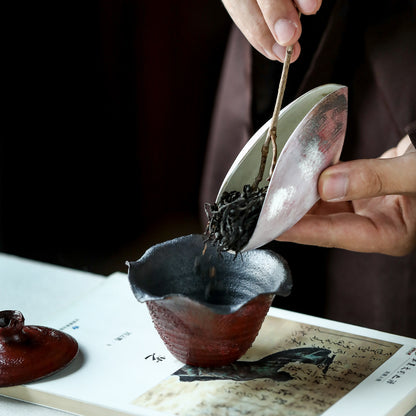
(292, 368)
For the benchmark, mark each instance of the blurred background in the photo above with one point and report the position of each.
(108, 107)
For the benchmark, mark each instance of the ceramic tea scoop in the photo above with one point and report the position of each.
(28, 353)
(310, 136)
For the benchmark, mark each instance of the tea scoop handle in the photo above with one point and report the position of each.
(271, 134)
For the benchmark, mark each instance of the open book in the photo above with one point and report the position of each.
(298, 365)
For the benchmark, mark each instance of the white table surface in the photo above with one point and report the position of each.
(25, 285)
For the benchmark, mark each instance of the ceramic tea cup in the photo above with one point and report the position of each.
(310, 136)
(206, 306)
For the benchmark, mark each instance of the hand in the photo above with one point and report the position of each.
(366, 205)
(271, 25)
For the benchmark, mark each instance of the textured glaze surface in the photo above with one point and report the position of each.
(207, 308)
(28, 353)
(310, 137)
(196, 335)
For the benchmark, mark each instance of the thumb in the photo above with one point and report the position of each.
(369, 178)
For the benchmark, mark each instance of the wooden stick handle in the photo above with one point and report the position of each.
(271, 134)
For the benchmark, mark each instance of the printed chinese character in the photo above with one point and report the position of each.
(154, 357)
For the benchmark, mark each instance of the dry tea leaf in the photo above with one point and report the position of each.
(232, 220)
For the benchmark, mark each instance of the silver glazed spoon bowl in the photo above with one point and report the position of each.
(310, 136)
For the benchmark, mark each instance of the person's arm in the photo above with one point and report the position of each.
(366, 205)
(271, 25)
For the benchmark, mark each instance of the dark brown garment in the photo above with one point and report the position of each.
(374, 54)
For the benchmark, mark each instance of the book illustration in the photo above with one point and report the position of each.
(292, 369)
(267, 367)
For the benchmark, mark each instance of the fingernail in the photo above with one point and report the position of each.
(279, 51)
(269, 54)
(335, 187)
(309, 6)
(285, 29)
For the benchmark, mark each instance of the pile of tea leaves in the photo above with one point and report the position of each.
(232, 219)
